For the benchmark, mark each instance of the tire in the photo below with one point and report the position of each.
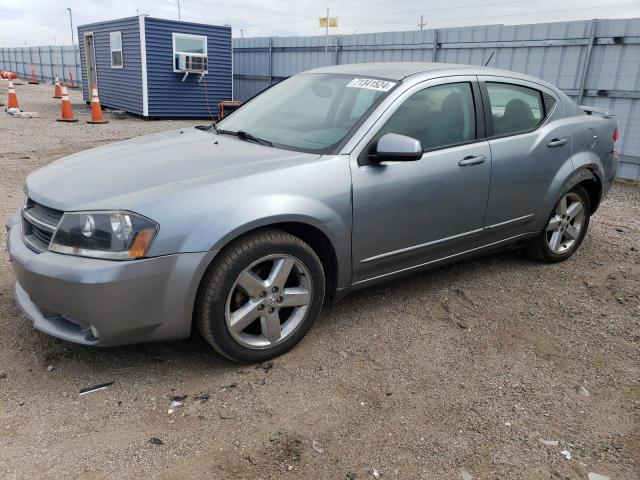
(249, 276)
(554, 244)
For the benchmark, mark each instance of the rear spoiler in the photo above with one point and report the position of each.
(598, 111)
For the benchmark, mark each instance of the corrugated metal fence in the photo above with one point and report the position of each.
(49, 61)
(595, 62)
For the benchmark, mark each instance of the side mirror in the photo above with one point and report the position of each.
(398, 148)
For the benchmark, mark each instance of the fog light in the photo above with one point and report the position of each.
(94, 331)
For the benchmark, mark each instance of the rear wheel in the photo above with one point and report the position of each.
(565, 229)
(261, 296)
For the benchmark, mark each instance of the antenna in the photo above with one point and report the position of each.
(489, 59)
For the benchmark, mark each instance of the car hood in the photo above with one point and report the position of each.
(135, 171)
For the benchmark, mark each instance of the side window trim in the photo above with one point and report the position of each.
(481, 120)
(488, 117)
(486, 108)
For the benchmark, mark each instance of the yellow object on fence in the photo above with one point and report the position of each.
(333, 21)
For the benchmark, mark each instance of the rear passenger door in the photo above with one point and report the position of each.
(530, 144)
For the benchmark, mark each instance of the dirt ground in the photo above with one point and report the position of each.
(454, 373)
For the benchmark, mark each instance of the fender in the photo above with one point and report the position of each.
(586, 167)
(257, 212)
(589, 173)
(586, 160)
(584, 173)
(317, 194)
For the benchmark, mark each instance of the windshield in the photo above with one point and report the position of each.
(308, 112)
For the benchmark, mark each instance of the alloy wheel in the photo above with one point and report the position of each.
(563, 229)
(268, 301)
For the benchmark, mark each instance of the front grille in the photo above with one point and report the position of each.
(43, 235)
(38, 225)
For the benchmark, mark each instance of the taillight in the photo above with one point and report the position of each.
(616, 135)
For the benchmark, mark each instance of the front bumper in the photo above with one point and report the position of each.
(125, 302)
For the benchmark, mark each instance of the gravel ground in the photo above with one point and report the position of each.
(460, 370)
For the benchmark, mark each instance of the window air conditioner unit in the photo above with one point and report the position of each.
(192, 63)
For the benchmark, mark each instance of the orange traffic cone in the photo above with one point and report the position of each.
(58, 91)
(13, 98)
(72, 85)
(96, 109)
(33, 80)
(66, 111)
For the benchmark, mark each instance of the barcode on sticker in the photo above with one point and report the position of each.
(371, 84)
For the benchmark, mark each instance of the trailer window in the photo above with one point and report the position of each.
(115, 44)
(193, 45)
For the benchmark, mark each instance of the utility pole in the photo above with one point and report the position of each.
(422, 23)
(241, 33)
(326, 36)
(327, 22)
(71, 21)
(178, 4)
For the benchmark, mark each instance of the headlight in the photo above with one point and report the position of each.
(107, 235)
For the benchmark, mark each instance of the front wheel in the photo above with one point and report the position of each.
(565, 229)
(261, 296)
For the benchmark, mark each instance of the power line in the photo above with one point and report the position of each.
(348, 7)
(541, 12)
(369, 14)
(397, 2)
(451, 19)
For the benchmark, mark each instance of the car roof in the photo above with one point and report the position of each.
(400, 70)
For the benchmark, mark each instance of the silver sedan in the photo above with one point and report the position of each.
(331, 180)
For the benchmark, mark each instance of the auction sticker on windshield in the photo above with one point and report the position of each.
(371, 84)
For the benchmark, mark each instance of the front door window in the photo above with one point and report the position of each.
(439, 117)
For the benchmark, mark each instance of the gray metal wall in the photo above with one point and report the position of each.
(595, 62)
(49, 61)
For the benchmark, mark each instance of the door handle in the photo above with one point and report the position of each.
(557, 142)
(472, 160)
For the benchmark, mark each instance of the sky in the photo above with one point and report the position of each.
(46, 22)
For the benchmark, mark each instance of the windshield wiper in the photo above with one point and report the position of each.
(208, 128)
(242, 135)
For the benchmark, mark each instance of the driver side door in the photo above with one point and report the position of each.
(411, 213)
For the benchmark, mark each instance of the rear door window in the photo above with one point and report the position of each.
(515, 109)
